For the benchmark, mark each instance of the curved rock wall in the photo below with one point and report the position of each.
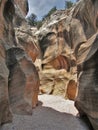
(6, 41)
(19, 80)
(68, 38)
(57, 55)
(73, 34)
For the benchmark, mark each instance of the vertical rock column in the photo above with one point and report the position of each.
(5, 113)
(23, 82)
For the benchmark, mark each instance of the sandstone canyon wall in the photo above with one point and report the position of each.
(69, 38)
(58, 60)
(19, 81)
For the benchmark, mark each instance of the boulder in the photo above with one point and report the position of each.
(72, 89)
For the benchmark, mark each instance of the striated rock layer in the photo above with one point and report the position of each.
(67, 39)
(6, 41)
(72, 36)
(26, 40)
(22, 6)
(58, 60)
(19, 81)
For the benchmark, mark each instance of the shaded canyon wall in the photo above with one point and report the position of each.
(19, 80)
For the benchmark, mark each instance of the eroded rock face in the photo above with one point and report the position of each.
(6, 41)
(71, 89)
(54, 81)
(86, 59)
(55, 49)
(23, 6)
(23, 81)
(21, 9)
(19, 81)
(57, 55)
(75, 34)
(24, 35)
(27, 41)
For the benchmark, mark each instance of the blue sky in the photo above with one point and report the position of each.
(41, 7)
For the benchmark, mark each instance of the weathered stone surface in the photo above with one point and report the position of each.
(21, 9)
(74, 33)
(54, 81)
(5, 113)
(6, 40)
(23, 81)
(58, 63)
(87, 98)
(19, 81)
(23, 6)
(56, 56)
(26, 40)
(68, 38)
(24, 33)
(55, 50)
(71, 89)
(87, 94)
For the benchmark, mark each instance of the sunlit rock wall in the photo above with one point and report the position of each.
(72, 34)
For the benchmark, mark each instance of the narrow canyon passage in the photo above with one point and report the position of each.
(52, 113)
(57, 58)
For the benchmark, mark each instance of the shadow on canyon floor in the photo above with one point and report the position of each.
(46, 118)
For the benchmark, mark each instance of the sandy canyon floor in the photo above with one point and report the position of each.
(52, 113)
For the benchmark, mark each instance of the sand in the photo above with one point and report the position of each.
(52, 113)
